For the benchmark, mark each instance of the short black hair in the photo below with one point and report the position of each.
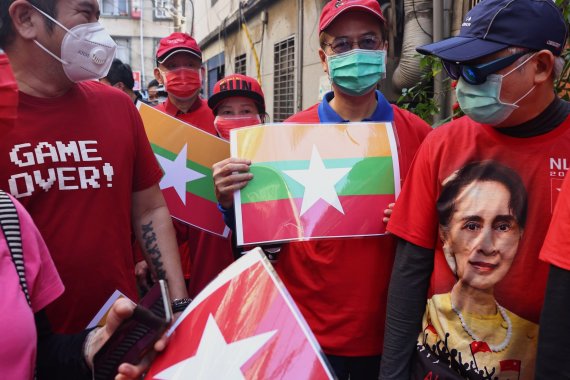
(483, 171)
(6, 27)
(121, 72)
(153, 83)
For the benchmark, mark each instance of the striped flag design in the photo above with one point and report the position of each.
(186, 155)
(315, 180)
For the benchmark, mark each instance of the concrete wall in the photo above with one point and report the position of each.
(282, 22)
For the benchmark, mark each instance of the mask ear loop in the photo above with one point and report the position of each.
(522, 64)
(528, 92)
(59, 24)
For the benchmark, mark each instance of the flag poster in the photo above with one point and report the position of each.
(315, 180)
(186, 155)
(243, 325)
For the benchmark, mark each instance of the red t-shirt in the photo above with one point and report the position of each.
(557, 242)
(203, 255)
(74, 162)
(539, 161)
(341, 285)
(199, 115)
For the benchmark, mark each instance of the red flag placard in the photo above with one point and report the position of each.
(186, 155)
(243, 325)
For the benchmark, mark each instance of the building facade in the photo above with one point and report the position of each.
(137, 26)
(275, 41)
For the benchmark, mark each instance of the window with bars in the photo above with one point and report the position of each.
(123, 49)
(114, 7)
(163, 9)
(216, 71)
(240, 65)
(284, 79)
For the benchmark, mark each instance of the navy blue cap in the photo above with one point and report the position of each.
(493, 25)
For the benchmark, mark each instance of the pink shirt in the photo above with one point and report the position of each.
(17, 326)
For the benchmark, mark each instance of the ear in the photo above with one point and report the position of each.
(544, 66)
(157, 75)
(120, 86)
(443, 235)
(25, 19)
(323, 58)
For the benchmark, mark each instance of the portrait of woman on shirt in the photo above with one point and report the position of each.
(482, 215)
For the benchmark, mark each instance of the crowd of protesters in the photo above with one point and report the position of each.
(460, 288)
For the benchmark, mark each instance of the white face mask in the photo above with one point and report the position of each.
(87, 51)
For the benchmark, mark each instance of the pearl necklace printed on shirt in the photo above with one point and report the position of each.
(498, 348)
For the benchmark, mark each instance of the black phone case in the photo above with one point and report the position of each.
(134, 337)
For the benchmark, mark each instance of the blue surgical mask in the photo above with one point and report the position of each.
(482, 102)
(357, 71)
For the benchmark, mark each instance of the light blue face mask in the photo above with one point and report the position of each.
(357, 71)
(482, 102)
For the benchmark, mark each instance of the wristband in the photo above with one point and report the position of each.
(180, 304)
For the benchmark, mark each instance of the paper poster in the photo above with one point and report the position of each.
(186, 155)
(243, 325)
(315, 180)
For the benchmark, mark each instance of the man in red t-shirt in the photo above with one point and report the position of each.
(78, 159)
(179, 69)
(340, 285)
(505, 59)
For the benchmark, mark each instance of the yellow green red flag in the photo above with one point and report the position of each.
(186, 155)
(315, 180)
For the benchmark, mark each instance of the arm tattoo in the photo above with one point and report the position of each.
(151, 247)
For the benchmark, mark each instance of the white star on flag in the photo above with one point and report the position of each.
(177, 174)
(319, 182)
(215, 358)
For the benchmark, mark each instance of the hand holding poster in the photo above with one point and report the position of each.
(186, 155)
(315, 180)
(243, 325)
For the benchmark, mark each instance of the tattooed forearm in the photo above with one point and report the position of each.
(151, 247)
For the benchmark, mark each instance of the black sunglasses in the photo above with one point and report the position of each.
(477, 74)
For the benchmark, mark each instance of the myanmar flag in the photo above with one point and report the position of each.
(315, 180)
(186, 155)
(243, 325)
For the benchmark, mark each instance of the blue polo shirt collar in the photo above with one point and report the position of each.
(383, 111)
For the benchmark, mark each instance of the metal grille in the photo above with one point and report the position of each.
(163, 9)
(240, 65)
(284, 79)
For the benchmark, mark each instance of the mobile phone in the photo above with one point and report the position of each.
(136, 335)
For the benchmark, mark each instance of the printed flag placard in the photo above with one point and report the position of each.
(243, 325)
(315, 180)
(186, 155)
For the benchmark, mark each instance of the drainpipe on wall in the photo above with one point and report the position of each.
(438, 88)
(141, 41)
(417, 26)
(178, 17)
(300, 23)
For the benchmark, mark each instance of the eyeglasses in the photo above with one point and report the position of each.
(343, 44)
(477, 74)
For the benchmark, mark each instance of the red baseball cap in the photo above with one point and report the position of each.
(237, 85)
(335, 8)
(175, 43)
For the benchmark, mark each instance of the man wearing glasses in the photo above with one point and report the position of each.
(505, 61)
(341, 285)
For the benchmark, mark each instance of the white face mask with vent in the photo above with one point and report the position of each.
(87, 50)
